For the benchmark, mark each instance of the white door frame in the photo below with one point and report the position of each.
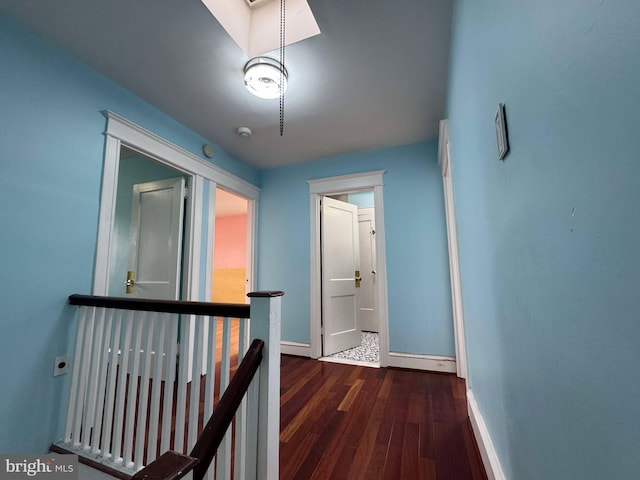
(452, 239)
(346, 184)
(121, 131)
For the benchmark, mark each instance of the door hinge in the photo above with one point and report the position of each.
(186, 192)
(321, 329)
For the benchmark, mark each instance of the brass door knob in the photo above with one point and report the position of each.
(130, 281)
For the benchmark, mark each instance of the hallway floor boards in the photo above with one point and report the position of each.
(348, 422)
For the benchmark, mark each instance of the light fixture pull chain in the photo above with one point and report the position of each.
(282, 43)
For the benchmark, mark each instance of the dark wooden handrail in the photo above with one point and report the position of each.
(172, 465)
(213, 433)
(233, 310)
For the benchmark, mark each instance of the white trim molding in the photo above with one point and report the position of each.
(295, 348)
(431, 363)
(144, 141)
(120, 131)
(488, 452)
(210, 200)
(444, 161)
(106, 219)
(346, 184)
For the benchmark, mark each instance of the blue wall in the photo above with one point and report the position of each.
(549, 238)
(417, 262)
(51, 149)
(362, 199)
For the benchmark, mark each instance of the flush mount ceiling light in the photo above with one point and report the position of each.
(265, 77)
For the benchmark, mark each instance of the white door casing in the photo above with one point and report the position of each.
(367, 316)
(341, 184)
(340, 261)
(155, 238)
(452, 238)
(119, 131)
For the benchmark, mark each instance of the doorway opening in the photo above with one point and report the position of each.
(350, 324)
(340, 308)
(126, 139)
(231, 248)
(148, 228)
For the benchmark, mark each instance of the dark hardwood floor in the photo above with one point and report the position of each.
(350, 422)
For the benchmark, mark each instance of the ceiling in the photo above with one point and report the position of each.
(375, 77)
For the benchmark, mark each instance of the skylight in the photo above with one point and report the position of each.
(256, 29)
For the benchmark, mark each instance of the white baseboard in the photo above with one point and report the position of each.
(433, 363)
(295, 348)
(483, 439)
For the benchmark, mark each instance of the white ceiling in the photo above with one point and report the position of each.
(375, 77)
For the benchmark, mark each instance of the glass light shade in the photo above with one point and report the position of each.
(262, 77)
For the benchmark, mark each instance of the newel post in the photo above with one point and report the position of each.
(265, 325)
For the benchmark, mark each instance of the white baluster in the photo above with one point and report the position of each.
(143, 404)
(132, 395)
(111, 386)
(209, 398)
(103, 365)
(240, 447)
(183, 380)
(72, 412)
(118, 455)
(209, 394)
(223, 461)
(92, 393)
(253, 404)
(157, 377)
(84, 374)
(194, 409)
(170, 369)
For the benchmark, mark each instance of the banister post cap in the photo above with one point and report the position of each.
(265, 294)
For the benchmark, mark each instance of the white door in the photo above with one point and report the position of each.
(340, 262)
(367, 314)
(155, 239)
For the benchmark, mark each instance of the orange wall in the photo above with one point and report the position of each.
(230, 250)
(230, 260)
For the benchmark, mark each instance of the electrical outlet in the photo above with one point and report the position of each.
(61, 365)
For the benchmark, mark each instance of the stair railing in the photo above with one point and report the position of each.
(172, 465)
(146, 374)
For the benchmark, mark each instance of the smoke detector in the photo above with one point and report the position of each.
(244, 132)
